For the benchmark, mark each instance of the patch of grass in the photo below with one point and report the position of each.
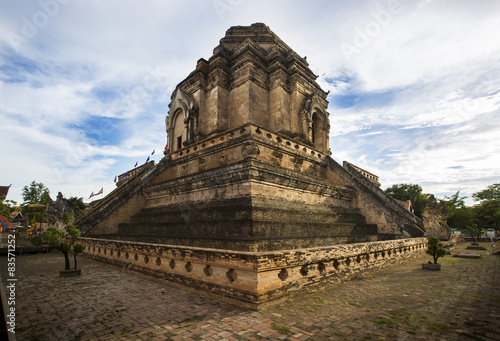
(281, 328)
(383, 320)
(354, 304)
(423, 318)
(437, 326)
(312, 307)
(413, 322)
(400, 312)
(81, 283)
(367, 336)
(193, 318)
(471, 336)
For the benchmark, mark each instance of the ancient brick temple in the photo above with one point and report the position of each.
(247, 203)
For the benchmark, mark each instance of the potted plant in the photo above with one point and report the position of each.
(435, 251)
(64, 241)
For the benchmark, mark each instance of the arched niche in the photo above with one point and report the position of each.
(315, 123)
(178, 132)
(181, 121)
(318, 136)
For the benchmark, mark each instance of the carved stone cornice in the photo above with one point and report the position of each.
(241, 57)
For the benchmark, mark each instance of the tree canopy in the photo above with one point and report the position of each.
(5, 208)
(487, 212)
(461, 216)
(63, 241)
(483, 215)
(491, 193)
(36, 193)
(410, 192)
(435, 250)
(78, 205)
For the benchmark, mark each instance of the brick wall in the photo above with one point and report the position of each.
(252, 279)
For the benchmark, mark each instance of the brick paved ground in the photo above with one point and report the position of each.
(404, 302)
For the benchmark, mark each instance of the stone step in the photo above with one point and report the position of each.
(246, 228)
(246, 244)
(228, 211)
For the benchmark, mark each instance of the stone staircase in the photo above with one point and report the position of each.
(247, 224)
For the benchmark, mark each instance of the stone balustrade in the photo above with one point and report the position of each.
(252, 279)
(254, 131)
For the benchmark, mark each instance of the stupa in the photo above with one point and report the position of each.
(247, 203)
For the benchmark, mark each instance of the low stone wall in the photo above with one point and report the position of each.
(252, 279)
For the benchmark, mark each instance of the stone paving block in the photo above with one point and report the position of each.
(129, 304)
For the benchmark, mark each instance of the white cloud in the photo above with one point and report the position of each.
(427, 72)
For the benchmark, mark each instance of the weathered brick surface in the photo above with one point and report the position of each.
(249, 125)
(402, 302)
(248, 169)
(252, 279)
(122, 203)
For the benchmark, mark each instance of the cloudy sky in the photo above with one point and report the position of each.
(85, 85)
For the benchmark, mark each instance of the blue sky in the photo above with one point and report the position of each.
(414, 85)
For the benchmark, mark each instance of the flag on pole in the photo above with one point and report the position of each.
(135, 164)
(124, 176)
(115, 178)
(147, 160)
(98, 193)
(153, 152)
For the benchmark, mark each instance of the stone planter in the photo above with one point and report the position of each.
(432, 267)
(475, 248)
(70, 273)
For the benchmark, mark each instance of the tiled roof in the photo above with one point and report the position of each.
(4, 190)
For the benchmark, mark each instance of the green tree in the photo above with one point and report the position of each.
(487, 214)
(492, 193)
(5, 208)
(487, 211)
(435, 250)
(78, 205)
(461, 216)
(67, 217)
(36, 193)
(474, 231)
(63, 241)
(410, 192)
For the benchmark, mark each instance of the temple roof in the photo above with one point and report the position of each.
(258, 32)
(258, 45)
(4, 190)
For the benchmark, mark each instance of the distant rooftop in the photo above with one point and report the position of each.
(4, 190)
